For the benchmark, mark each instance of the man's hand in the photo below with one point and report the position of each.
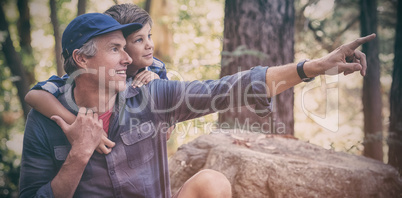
(144, 78)
(85, 133)
(345, 59)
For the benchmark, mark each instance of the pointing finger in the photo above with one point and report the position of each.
(360, 41)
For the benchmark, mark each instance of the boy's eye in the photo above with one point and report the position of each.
(138, 40)
(149, 35)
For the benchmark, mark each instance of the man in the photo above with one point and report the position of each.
(54, 164)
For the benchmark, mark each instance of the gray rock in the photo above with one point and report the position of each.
(259, 165)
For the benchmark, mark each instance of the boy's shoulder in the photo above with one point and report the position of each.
(157, 63)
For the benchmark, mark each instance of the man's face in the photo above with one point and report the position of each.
(140, 47)
(110, 61)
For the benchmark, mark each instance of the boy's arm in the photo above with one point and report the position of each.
(48, 105)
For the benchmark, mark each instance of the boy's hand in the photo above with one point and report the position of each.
(106, 145)
(144, 78)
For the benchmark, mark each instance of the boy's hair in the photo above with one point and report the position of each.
(88, 49)
(129, 13)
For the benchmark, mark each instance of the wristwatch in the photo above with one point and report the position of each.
(301, 73)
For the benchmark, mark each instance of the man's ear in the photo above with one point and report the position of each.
(80, 59)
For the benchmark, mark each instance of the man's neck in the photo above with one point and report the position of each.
(91, 96)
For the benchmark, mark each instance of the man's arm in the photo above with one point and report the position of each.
(176, 101)
(39, 174)
(345, 59)
(84, 136)
(180, 101)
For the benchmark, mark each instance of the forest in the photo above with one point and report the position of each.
(200, 40)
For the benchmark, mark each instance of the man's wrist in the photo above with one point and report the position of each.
(80, 155)
(311, 68)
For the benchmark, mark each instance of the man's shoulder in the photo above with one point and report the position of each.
(67, 99)
(37, 124)
(35, 118)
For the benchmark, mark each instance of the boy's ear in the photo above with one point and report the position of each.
(80, 59)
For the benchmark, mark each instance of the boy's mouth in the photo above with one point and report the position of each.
(148, 55)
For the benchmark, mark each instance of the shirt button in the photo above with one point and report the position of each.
(112, 172)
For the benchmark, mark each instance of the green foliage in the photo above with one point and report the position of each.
(11, 127)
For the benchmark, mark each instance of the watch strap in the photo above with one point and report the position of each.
(301, 73)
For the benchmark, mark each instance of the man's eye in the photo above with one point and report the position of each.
(115, 49)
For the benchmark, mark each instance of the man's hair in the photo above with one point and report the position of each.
(129, 13)
(88, 49)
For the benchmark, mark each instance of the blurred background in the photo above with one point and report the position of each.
(189, 37)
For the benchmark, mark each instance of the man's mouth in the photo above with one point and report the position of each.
(120, 71)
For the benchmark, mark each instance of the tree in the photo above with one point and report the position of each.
(372, 104)
(24, 33)
(259, 33)
(57, 37)
(162, 36)
(13, 60)
(81, 7)
(24, 25)
(395, 125)
(147, 6)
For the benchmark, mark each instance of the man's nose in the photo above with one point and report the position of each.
(126, 59)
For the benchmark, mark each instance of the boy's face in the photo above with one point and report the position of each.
(141, 48)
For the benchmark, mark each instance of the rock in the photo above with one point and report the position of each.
(259, 165)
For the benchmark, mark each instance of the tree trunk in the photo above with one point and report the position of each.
(263, 33)
(24, 32)
(24, 26)
(161, 35)
(147, 6)
(81, 7)
(372, 104)
(13, 61)
(395, 125)
(57, 37)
